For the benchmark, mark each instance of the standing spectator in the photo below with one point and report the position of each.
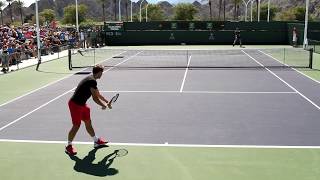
(82, 43)
(294, 37)
(93, 36)
(88, 41)
(4, 60)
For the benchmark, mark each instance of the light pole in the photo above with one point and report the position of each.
(147, 12)
(38, 34)
(251, 13)
(140, 9)
(259, 10)
(246, 5)
(77, 16)
(268, 11)
(305, 39)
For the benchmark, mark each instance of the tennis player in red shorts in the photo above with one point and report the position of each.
(81, 112)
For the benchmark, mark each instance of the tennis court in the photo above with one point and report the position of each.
(181, 114)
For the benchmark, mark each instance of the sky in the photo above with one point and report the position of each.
(27, 3)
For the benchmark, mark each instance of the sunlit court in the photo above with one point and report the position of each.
(175, 89)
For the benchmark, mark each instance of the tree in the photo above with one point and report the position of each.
(48, 15)
(41, 20)
(103, 2)
(264, 12)
(286, 16)
(257, 8)
(20, 6)
(10, 9)
(115, 10)
(300, 13)
(224, 10)
(184, 11)
(210, 9)
(236, 8)
(70, 14)
(155, 13)
(28, 18)
(220, 8)
(1, 11)
(293, 14)
(126, 6)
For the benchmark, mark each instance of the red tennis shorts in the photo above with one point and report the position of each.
(79, 113)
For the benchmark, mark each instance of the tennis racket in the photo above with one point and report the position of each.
(80, 52)
(86, 52)
(114, 99)
(121, 152)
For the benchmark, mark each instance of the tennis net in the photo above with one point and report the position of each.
(233, 58)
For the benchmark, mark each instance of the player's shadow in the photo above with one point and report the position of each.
(101, 169)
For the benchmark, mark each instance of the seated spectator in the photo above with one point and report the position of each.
(11, 53)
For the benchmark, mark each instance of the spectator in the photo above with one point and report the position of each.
(11, 53)
(82, 40)
(21, 42)
(4, 60)
(294, 37)
(88, 41)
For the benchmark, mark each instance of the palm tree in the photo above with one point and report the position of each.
(236, 8)
(224, 10)
(20, 6)
(210, 8)
(257, 2)
(10, 9)
(115, 10)
(103, 2)
(126, 4)
(1, 11)
(220, 7)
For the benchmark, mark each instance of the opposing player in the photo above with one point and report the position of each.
(237, 37)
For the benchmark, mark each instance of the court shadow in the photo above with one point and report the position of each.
(101, 169)
(52, 72)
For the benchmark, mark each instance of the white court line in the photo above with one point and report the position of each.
(238, 92)
(166, 144)
(3, 127)
(207, 92)
(25, 115)
(289, 66)
(185, 74)
(17, 98)
(314, 104)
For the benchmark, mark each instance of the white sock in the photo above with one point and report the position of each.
(69, 143)
(95, 138)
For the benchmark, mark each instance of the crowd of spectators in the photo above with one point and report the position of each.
(20, 43)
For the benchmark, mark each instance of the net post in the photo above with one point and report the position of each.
(69, 58)
(38, 63)
(284, 55)
(187, 58)
(39, 59)
(59, 48)
(310, 57)
(94, 56)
